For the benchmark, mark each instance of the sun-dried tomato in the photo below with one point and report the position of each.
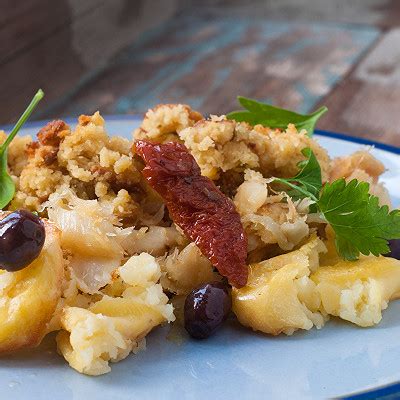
(198, 207)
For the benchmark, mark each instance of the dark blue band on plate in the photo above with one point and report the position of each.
(389, 392)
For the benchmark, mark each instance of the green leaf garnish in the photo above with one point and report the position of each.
(7, 186)
(309, 180)
(275, 117)
(361, 225)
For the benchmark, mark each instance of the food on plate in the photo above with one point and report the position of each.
(104, 238)
(197, 206)
(29, 296)
(294, 291)
(23, 236)
(358, 291)
(280, 296)
(394, 246)
(115, 321)
(206, 308)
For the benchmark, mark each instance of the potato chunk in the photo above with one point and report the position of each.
(112, 327)
(292, 291)
(279, 296)
(358, 291)
(28, 298)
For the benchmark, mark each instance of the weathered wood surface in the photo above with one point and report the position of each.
(59, 45)
(294, 53)
(207, 63)
(37, 20)
(367, 102)
(378, 13)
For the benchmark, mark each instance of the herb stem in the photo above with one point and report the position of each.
(38, 96)
(298, 188)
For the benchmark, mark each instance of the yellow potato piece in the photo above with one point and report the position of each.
(112, 327)
(358, 291)
(292, 291)
(28, 298)
(92, 340)
(279, 296)
(144, 317)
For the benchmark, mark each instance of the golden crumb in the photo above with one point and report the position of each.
(84, 159)
(163, 122)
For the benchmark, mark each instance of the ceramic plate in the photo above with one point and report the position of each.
(236, 363)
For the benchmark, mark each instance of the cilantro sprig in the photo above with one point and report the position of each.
(361, 225)
(308, 180)
(274, 117)
(7, 185)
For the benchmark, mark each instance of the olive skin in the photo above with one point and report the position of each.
(22, 236)
(394, 246)
(206, 308)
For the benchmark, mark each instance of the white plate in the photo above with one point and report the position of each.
(236, 363)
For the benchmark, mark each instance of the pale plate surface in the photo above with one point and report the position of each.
(234, 364)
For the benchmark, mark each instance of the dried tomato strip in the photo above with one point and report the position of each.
(198, 207)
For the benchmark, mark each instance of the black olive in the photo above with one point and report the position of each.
(394, 246)
(22, 236)
(206, 308)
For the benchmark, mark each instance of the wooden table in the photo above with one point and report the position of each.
(124, 57)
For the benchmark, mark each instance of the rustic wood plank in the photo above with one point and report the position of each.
(37, 22)
(12, 10)
(379, 13)
(369, 12)
(207, 62)
(63, 60)
(390, 14)
(42, 67)
(34, 24)
(366, 103)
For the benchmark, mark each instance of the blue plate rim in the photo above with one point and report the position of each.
(372, 393)
(380, 392)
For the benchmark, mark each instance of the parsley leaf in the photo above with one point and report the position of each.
(360, 224)
(309, 180)
(275, 117)
(7, 185)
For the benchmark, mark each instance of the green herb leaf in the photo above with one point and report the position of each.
(7, 186)
(360, 223)
(275, 117)
(308, 182)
